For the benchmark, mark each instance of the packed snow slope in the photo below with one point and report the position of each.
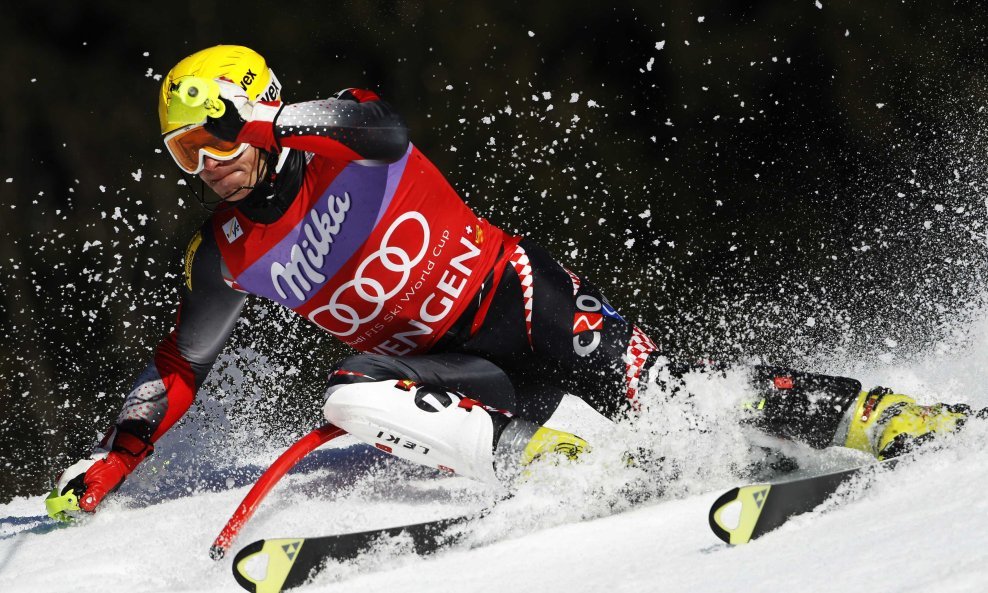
(922, 527)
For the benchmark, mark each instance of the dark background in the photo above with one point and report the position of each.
(776, 180)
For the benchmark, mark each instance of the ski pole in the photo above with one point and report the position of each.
(266, 482)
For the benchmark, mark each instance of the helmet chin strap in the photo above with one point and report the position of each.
(212, 205)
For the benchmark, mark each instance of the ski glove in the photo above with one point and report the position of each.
(244, 120)
(90, 480)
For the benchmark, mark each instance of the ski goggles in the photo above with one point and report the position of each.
(191, 144)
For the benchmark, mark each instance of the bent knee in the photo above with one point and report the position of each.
(365, 368)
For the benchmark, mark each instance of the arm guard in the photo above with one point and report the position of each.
(354, 126)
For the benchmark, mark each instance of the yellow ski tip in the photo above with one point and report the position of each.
(263, 566)
(734, 515)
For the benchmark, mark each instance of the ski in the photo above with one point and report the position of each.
(273, 565)
(748, 512)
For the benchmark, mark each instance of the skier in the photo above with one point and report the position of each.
(469, 336)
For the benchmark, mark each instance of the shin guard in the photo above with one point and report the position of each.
(420, 423)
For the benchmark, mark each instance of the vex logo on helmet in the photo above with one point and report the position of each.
(273, 91)
(247, 79)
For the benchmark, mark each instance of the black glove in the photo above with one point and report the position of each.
(236, 112)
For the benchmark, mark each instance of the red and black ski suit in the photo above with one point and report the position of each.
(372, 244)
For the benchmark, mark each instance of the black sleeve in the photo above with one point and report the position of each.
(354, 126)
(207, 314)
(210, 307)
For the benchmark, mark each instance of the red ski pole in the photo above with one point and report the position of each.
(266, 482)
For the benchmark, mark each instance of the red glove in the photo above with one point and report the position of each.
(92, 479)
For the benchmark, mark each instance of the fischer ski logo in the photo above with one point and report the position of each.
(291, 549)
(232, 230)
(760, 497)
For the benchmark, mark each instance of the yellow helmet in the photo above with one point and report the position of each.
(235, 63)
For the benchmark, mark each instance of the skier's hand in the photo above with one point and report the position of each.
(243, 120)
(91, 479)
(236, 115)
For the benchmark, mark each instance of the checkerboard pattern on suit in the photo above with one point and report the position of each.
(519, 261)
(575, 279)
(639, 347)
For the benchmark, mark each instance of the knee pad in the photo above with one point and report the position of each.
(419, 423)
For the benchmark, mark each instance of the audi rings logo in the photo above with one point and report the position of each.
(379, 278)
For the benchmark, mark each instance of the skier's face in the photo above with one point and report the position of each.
(232, 180)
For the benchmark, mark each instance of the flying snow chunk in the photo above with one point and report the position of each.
(449, 87)
(10, 180)
(891, 343)
(651, 61)
(700, 19)
(818, 4)
(879, 105)
(531, 34)
(810, 321)
(660, 45)
(574, 97)
(136, 175)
